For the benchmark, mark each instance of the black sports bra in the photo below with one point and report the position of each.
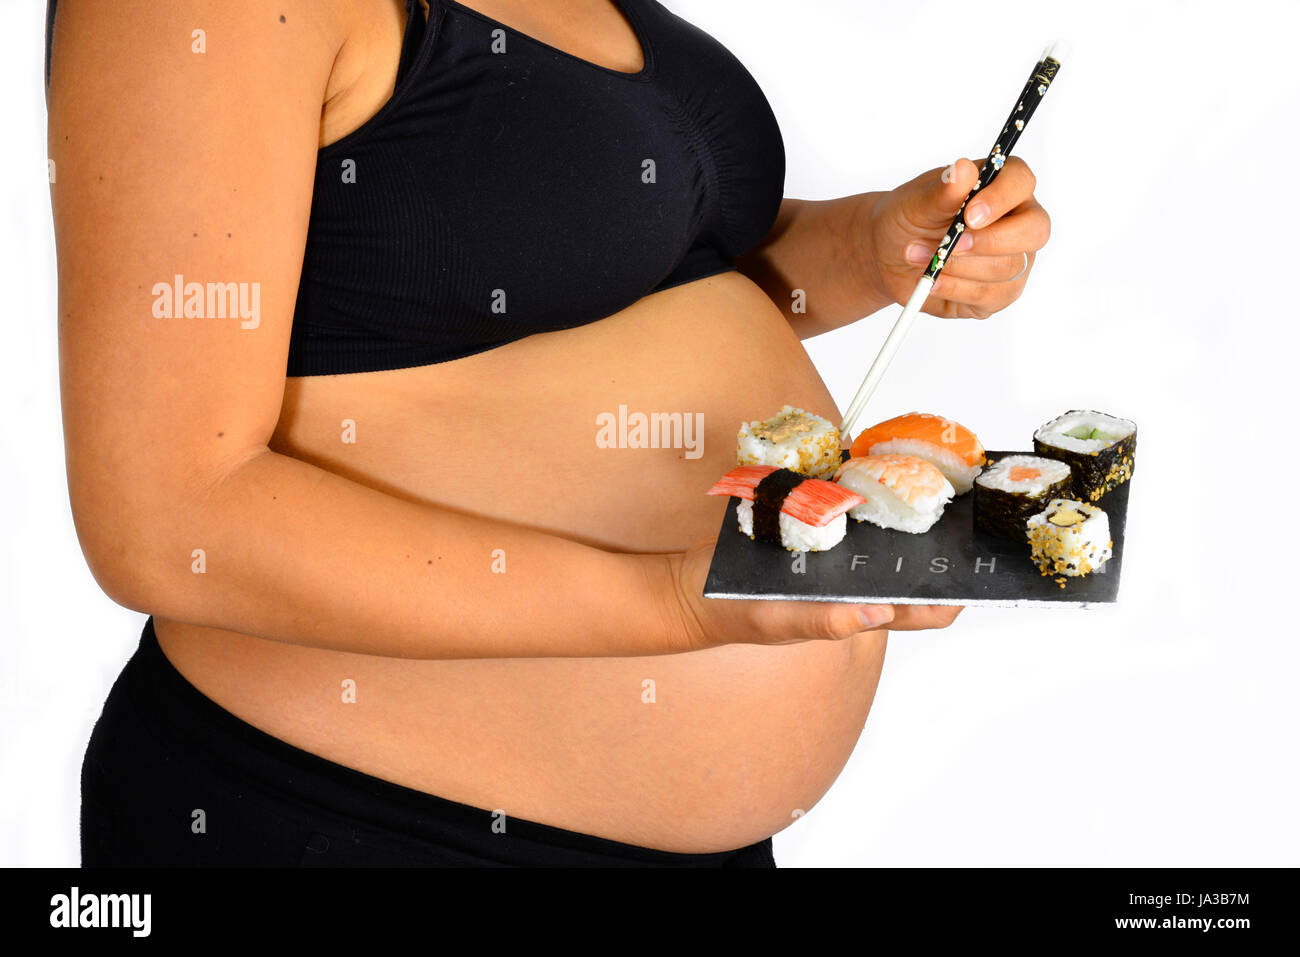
(509, 188)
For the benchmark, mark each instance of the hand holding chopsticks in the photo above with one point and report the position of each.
(1035, 88)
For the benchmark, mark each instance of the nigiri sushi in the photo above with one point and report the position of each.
(946, 444)
(903, 492)
(792, 439)
(786, 508)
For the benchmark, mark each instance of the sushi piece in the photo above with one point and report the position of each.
(1100, 448)
(1015, 487)
(801, 514)
(792, 439)
(902, 492)
(1069, 537)
(951, 447)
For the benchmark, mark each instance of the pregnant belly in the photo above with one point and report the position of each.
(695, 752)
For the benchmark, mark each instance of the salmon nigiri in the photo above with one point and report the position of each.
(948, 445)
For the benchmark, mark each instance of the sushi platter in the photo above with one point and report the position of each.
(915, 511)
(907, 517)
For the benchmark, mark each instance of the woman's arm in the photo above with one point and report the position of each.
(813, 266)
(200, 164)
(193, 154)
(830, 262)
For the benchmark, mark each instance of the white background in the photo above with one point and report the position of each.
(1160, 731)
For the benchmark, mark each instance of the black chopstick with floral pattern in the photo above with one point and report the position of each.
(1044, 72)
(1033, 93)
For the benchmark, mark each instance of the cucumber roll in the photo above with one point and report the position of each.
(1014, 488)
(1099, 448)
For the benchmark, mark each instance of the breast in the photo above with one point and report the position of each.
(694, 752)
(501, 195)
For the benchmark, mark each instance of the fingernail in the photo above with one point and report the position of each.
(916, 253)
(947, 174)
(966, 242)
(977, 214)
(873, 616)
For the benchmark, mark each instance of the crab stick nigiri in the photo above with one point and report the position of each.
(789, 509)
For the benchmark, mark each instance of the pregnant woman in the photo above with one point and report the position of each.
(346, 292)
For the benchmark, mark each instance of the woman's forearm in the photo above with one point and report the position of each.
(813, 266)
(281, 549)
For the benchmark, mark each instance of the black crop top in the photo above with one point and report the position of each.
(509, 188)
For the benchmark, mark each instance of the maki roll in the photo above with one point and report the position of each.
(1069, 538)
(948, 445)
(902, 492)
(1100, 448)
(788, 509)
(1015, 487)
(792, 439)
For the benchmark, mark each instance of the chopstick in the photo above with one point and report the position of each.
(1035, 88)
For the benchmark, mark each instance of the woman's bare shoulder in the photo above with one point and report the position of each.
(308, 32)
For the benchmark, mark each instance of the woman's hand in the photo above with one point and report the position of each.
(994, 255)
(710, 622)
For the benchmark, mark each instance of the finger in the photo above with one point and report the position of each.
(1024, 229)
(826, 621)
(1013, 185)
(956, 298)
(930, 207)
(921, 617)
(986, 268)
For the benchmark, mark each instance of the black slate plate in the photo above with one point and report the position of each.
(951, 564)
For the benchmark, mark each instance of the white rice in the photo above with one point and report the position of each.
(883, 506)
(796, 535)
(1072, 550)
(804, 443)
(998, 475)
(1110, 428)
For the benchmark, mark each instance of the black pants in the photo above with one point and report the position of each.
(170, 778)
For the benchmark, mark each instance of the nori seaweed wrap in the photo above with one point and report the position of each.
(1013, 488)
(1100, 449)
